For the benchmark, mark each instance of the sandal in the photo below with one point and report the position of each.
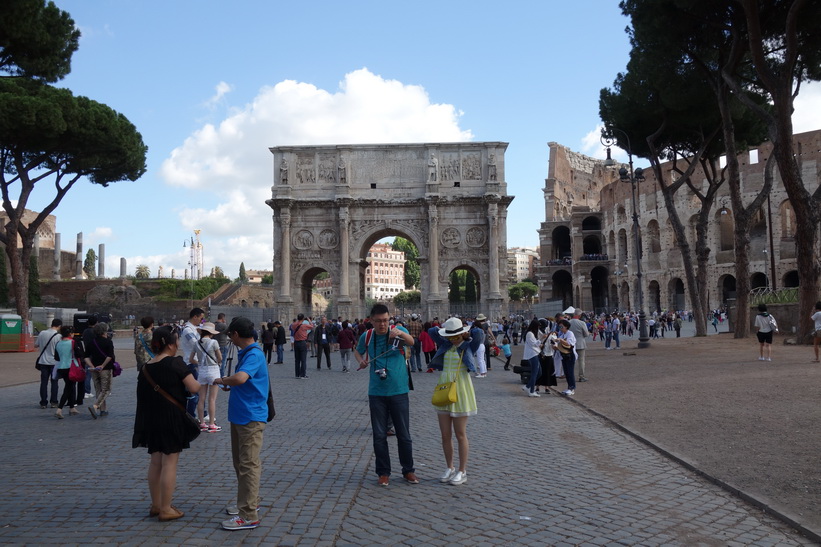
(165, 517)
(213, 428)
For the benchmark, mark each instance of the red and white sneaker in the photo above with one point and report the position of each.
(213, 428)
(239, 523)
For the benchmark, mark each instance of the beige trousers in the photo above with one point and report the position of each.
(246, 444)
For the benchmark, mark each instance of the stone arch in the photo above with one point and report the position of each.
(675, 290)
(562, 282)
(622, 247)
(724, 221)
(787, 216)
(331, 202)
(562, 245)
(599, 293)
(758, 280)
(654, 296)
(591, 223)
(467, 309)
(790, 279)
(654, 236)
(592, 245)
(726, 287)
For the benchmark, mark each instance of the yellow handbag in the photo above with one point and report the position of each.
(444, 394)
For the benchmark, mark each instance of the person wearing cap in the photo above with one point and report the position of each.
(206, 354)
(579, 330)
(248, 414)
(458, 346)
(388, 386)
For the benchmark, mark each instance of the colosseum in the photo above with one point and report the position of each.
(587, 239)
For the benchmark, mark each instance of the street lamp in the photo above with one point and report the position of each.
(633, 177)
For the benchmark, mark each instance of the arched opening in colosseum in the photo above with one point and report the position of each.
(622, 247)
(654, 297)
(758, 233)
(787, 216)
(758, 281)
(599, 290)
(591, 223)
(675, 290)
(591, 245)
(790, 279)
(624, 296)
(561, 243)
(653, 236)
(726, 286)
(562, 283)
(724, 219)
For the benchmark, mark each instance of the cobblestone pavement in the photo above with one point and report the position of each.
(541, 472)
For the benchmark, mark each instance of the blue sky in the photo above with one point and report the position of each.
(212, 84)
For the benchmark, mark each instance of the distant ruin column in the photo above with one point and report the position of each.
(493, 217)
(78, 259)
(344, 283)
(123, 267)
(433, 253)
(57, 258)
(285, 282)
(101, 262)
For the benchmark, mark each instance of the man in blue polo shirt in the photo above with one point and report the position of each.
(248, 413)
(387, 391)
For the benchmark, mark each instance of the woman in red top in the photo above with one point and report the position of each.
(428, 345)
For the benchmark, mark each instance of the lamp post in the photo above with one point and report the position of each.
(633, 177)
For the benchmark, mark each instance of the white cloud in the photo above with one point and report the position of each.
(221, 90)
(230, 160)
(592, 146)
(807, 115)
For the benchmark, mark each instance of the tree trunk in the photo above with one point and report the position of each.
(19, 266)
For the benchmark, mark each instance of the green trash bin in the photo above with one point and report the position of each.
(11, 330)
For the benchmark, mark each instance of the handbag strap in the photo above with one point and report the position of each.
(147, 349)
(45, 346)
(160, 390)
(205, 351)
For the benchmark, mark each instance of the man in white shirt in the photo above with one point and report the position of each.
(188, 340)
(46, 342)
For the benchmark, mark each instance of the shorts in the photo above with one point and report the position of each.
(208, 375)
(765, 337)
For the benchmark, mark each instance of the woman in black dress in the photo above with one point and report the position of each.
(158, 424)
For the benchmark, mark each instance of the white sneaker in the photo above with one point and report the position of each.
(769, 358)
(760, 358)
(525, 388)
(447, 475)
(569, 392)
(533, 394)
(460, 477)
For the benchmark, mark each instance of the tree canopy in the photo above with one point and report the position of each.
(47, 132)
(37, 40)
(413, 273)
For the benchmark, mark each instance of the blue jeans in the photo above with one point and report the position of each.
(607, 337)
(568, 366)
(616, 338)
(395, 407)
(224, 352)
(45, 378)
(416, 356)
(300, 358)
(280, 353)
(535, 372)
(193, 398)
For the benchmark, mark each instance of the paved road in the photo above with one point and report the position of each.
(542, 472)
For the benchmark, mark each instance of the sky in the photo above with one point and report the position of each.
(211, 85)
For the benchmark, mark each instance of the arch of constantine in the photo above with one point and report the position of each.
(331, 203)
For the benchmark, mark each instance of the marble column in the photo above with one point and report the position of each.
(78, 259)
(123, 267)
(493, 270)
(285, 247)
(344, 251)
(433, 252)
(101, 262)
(57, 257)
